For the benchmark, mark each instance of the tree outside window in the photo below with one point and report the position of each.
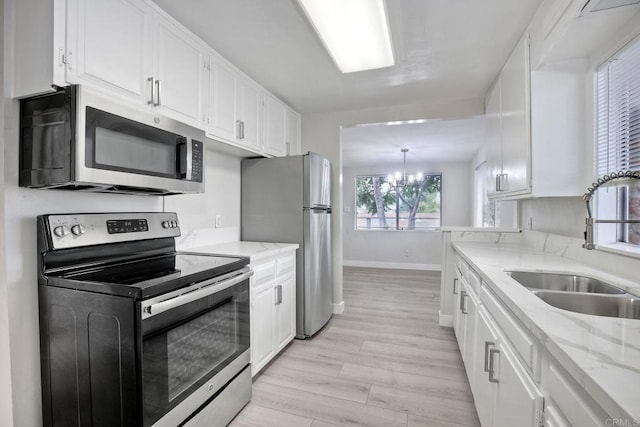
(383, 205)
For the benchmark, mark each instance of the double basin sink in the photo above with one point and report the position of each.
(579, 294)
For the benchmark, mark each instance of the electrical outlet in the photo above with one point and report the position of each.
(218, 221)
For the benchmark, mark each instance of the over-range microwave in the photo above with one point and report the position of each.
(76, 139)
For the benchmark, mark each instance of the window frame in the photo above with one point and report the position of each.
(421, 229)
(616, 145)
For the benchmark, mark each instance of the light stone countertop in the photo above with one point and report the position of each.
(601, 353)
(254, 250)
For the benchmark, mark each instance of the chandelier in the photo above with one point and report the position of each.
(402, 179)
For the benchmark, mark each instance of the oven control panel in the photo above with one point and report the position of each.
(76, 230)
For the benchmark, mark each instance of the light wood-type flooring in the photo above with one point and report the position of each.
(384, 362)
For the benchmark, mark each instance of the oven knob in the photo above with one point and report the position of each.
(174, 224)
(78, 230)
(165, 224)
(61, 230)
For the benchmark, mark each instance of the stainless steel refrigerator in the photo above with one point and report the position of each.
(288, 200)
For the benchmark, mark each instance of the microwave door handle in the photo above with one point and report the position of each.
(189, 176)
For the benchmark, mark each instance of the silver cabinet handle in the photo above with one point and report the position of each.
(159, 93)
(279, 294)
(455, 286)
(498, 182)
(152, 100)
(242, 129)
(487, 344)
(492, 352)
(288, 148)
(463, 296)
(238, 125)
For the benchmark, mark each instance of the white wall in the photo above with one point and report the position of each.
(6, 399)
(405, 249)
(196, 212)
(321, 133)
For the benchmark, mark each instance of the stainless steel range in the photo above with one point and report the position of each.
(133, 333)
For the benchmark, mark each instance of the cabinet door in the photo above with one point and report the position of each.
(222, 102)
(458, 320)
(109, 46)
(275, 135)
(180, 69)
(286, 322)
(484, 390)
(494, 138)
(248, 108)
(516, 119)
(518, 402)
(262, 325)
(293, 133)
(470, 319)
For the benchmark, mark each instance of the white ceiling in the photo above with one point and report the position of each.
(428, 141)
(445, 50)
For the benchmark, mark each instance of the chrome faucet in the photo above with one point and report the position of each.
(588, 234)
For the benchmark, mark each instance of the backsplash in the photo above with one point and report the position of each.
(564, 216)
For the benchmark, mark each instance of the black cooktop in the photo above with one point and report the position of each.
(147, 277)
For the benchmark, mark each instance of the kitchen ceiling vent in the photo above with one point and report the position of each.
(599, 5)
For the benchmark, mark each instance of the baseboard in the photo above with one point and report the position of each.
(445, 320)
(393, 265)
(338, 308)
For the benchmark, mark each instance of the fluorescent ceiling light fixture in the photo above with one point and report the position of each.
(355, 32)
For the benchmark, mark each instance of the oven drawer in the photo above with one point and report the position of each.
(221, 410)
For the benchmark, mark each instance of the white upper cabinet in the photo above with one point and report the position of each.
(275, 127)
(535, 132)
(249, 114)
(235, 108)
(494, 138)
(180, 74)
(222, 102)
(515, 91)
(509, 137)
(109, 46)
(134, 51)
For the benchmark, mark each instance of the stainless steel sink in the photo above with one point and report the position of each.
(625, 306)
(563, 282)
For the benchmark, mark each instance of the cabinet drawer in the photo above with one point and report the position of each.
(520, 339)
(285, 265)
(263, 272)
(474, 281)
(578, 410)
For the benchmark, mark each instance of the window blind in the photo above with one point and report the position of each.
(617, 119)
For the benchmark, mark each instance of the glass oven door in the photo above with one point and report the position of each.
(190, 337)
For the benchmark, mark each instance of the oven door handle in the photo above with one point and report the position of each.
(193, 293)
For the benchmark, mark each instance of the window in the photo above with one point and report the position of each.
(617, 133)
(381, 205)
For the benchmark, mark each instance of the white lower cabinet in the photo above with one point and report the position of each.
(504, 392)
(272, 308)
